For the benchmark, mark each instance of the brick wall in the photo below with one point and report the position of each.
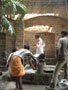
(10, 43)
(40, 6)
(47, 20)
(14, 41)
(19, 33)
(49, 39)
(57, 23)
(2, 43)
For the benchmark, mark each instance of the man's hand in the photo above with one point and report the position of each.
(7, 65)
(32, 64)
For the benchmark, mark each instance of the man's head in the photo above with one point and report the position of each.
(64, 33)
(37, 36)
(26, 47)
(41, 57)
(15, 49)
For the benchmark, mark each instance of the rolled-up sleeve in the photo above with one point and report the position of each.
(9, 58)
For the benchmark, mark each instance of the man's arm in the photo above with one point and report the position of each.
(57, 53)
(58, 48)
(32, 64)
(8, 60)
(32, 60)
(39, 43)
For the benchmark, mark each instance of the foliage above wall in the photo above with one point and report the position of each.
(7, 6)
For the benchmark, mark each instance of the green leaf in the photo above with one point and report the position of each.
(13, 6)
(10, 4)
(8, 25)
(20, 5)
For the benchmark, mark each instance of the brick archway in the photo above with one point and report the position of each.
(57, 23)
(45, 20)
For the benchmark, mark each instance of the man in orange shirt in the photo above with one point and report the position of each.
(17, 68)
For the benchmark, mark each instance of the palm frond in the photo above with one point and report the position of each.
(20, 5)
(8, 25)
(3, 5)
(16, 4)
(13, 4)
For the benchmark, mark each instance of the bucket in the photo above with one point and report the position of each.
(40, 68)
(63, 85)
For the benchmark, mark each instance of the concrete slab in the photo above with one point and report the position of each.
(11, 86)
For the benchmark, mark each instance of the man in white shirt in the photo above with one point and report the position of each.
(39, 44)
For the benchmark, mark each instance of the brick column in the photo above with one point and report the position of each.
(10, 43)
(19, 27)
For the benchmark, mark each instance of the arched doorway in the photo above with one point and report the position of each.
(55, 25)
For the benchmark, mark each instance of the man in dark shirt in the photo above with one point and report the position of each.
(62, 57)
(62, 50)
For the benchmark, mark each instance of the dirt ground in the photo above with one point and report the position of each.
(11, 86)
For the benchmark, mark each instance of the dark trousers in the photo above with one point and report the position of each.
(65, 71)
(59, 65)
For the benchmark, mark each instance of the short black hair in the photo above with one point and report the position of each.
(41, 56)
(37, 35)
(26, 46)
(14, 49)
(64, 32)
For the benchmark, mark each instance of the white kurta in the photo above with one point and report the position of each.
(40, 47)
